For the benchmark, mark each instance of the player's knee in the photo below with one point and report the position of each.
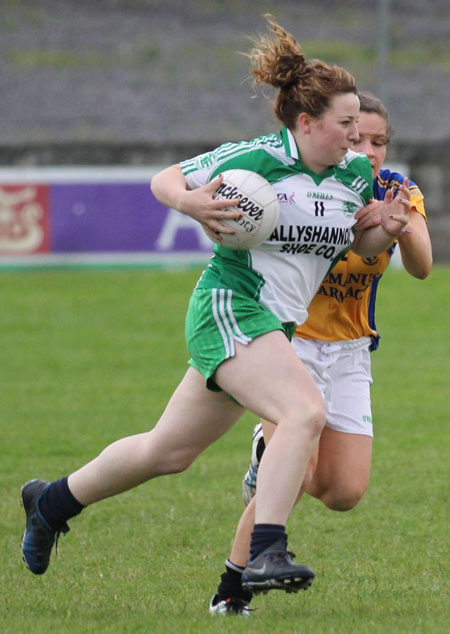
(174, 461)
(343, 499)
(316, 417)
(179, 461)
(305, 419)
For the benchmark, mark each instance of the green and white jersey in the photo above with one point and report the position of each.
(314, 229)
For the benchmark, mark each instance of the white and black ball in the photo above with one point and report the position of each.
(258, 203)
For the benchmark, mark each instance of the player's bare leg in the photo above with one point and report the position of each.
(342, 473)
(194, 418)
(337, 474)
(184, 430)
(286, 393)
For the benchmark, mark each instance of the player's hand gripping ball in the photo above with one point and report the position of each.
(258, 203)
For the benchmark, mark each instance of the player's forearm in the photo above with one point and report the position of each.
(169, 187)
(415, 247)
(372, 241)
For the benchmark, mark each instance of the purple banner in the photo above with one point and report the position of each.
(118, 217)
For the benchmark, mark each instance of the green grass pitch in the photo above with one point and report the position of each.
(90, 356)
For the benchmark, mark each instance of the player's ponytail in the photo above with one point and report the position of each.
(304, 85)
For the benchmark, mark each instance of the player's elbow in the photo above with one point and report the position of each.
(154, 185)
(422, 274)
(419, 270)
(426, 269)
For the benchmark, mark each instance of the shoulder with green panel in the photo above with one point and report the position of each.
(355, 172)
(258, 155)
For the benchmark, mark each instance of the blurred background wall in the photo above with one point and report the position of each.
(146, 83)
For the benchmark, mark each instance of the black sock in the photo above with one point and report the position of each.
(264, 535)
(231, 583)
(57, 504)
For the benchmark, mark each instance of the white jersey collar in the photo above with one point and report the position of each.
(292, 145)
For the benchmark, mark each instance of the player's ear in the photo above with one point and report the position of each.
(304, 121)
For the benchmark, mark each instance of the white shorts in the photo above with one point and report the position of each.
(342, 371)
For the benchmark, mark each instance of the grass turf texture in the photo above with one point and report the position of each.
(88, 357)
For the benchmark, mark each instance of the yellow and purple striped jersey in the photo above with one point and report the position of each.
(344, 306)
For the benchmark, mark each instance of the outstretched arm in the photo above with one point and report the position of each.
(170, 188)
(414, 242)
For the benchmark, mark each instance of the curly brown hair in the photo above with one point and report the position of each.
(304, 85)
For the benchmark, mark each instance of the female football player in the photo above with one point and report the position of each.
(244, 309)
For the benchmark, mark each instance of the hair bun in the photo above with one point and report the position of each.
(290, 69)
